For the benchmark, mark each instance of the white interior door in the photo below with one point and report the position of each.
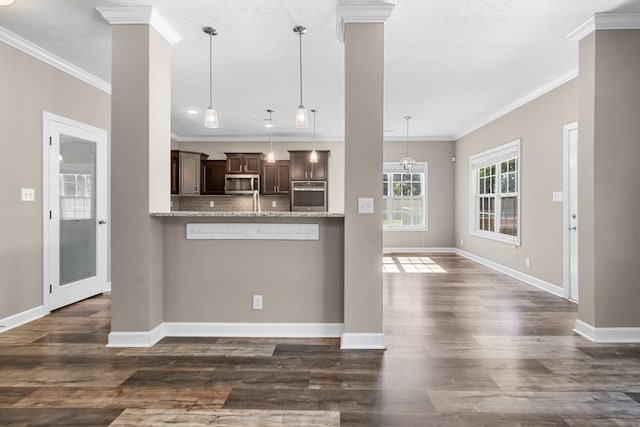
(75, 211)
(571, 210)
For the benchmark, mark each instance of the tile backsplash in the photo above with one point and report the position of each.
(231, 203)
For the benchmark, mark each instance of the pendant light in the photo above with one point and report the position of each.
(302, 121)
(211, 116)
(271, 158)
(313, 158)
(407, 162)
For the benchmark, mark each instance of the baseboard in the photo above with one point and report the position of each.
(136, 339)
(530, 280)
(26, 316)
(270, 330)
(437, 250)
(607, 335)
(362, 341)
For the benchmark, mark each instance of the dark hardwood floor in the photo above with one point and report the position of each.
(466, 347)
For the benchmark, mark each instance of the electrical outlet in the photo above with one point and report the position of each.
(527, 262)
(28, 195)
(461, 242)
(257, 302)
(273, 203)
(212, 204)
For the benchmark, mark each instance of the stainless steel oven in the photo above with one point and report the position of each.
(309, 196)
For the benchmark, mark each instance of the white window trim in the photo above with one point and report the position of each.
(486, 158)
(419, 167)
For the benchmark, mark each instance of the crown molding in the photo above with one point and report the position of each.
(47, 57)
(522, 101)
(361, 11)
(141, 15)
(251, 138)
(606, 21)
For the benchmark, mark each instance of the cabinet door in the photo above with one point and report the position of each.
(189, 173)
(298, 165)
(213, 172)
(235, 163)
(175, 172)
(283, 176)
(318, 171)
(251, 163)
(269, 178)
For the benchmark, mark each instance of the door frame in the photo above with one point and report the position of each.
(47, 119)
(566, 253)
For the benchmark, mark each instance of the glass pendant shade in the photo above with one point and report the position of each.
(6, 2)
(407, 164)
(271, 158)
(211, 118)
(302, 119)
(313, 158)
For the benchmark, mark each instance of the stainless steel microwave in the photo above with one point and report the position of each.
(235, 183)
(309, 196)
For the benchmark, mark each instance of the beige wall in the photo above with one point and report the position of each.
(610, 238)
(440, 195)
(29, 87)
(214, 280)
(216, 150)
(139, 54)
(539, 125)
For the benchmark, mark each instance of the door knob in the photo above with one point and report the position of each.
(102, 221)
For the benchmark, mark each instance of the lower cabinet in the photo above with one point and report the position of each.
(275, 177)
(213, 172)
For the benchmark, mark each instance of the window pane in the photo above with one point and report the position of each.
(512, 183)
(504, 180)
(503, 167)
(509, 216)
(416, 189)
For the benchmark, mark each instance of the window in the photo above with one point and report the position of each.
(404, 197)
(75, 196)
(495, 193)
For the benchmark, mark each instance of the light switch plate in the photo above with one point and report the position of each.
(28, 195)
(365, 205)
(558, 196)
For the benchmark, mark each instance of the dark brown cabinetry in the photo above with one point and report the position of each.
(185, 171)
(301, 169)
(275, 177)
(213, 172)
(244, 162)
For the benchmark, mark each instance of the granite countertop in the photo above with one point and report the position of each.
(246, 214)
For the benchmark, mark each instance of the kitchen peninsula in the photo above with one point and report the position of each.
(210, 281)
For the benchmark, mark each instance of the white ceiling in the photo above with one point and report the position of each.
(451, 64)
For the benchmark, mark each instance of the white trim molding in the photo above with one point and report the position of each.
(362, 341)
(136, 339)
(607, 335)
(47, 57)
(530, 280)
(224, 329)
(141, 15)
(387, 251)
(361, 11)
(19, 319)
(606, 21)
(262, 330)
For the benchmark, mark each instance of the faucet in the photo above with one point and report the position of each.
(256, 201)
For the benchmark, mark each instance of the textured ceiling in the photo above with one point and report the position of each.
(451, 64)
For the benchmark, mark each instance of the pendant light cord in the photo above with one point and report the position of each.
(300, 35)
(210, 70)
(407, 118)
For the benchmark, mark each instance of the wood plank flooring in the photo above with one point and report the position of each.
(466, 347)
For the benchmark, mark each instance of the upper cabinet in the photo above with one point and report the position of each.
(213, 172)
(301, 169)
(275, 177)
(185, 171)
(244, 162)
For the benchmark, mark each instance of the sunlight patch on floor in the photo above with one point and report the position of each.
(412, 264)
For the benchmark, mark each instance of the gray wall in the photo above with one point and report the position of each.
(29, 87)
(609, 150)
(214, 280)
(440, 194)
(539, 125)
